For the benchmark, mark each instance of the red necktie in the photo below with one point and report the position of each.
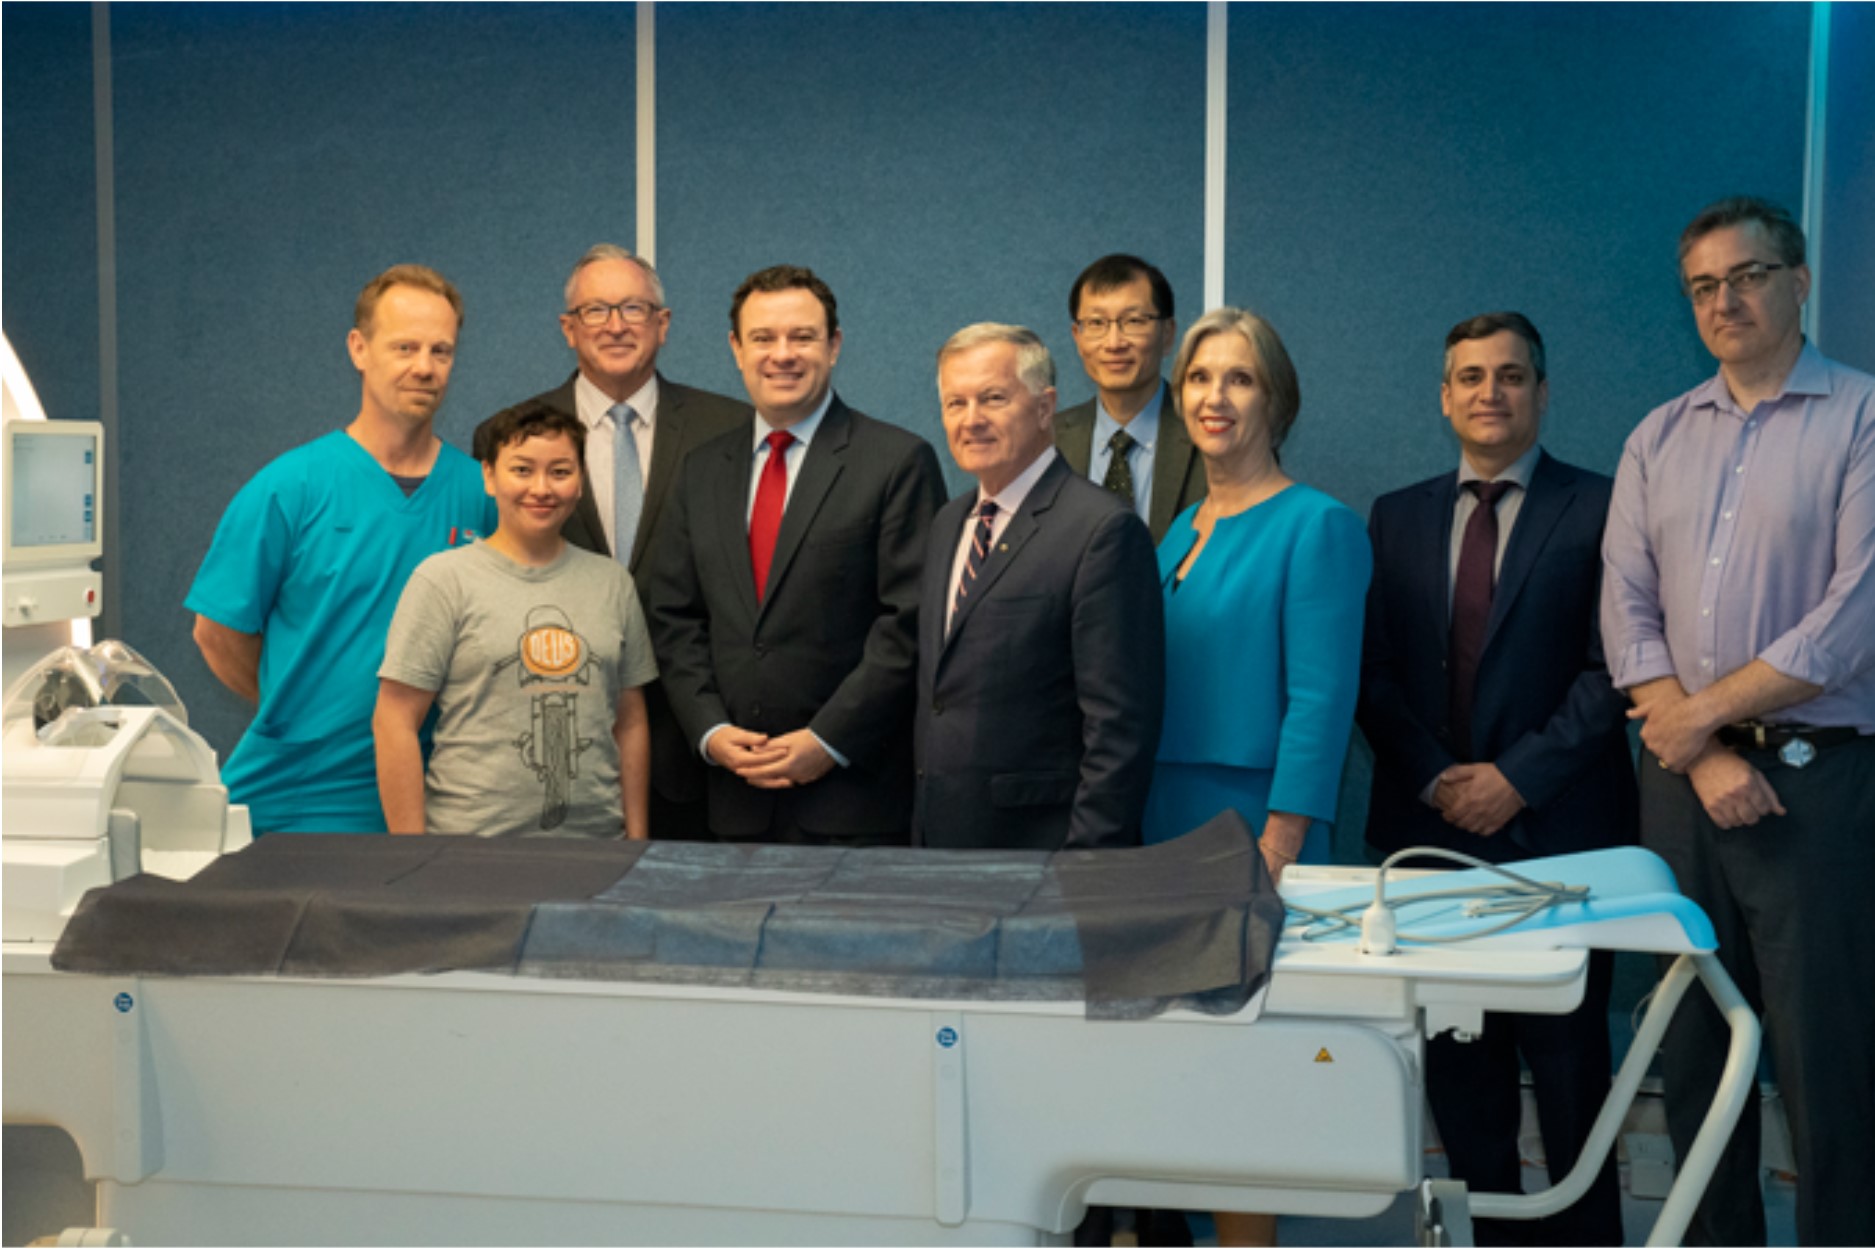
(765, 520)
(1472, 589)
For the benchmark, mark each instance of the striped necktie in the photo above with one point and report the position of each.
(979, 553)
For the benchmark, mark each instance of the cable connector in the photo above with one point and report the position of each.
(1379, 931)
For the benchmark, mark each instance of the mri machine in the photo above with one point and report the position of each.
(228, 1078)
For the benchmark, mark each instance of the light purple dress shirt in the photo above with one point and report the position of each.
(1739, 535)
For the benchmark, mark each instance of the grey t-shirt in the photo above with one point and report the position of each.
(526, 664)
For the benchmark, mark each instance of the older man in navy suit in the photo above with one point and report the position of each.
(1496, 732)
(1041, 639)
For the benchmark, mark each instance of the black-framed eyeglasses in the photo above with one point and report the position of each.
(1743, 280)
(1132, 325)
(596, 313)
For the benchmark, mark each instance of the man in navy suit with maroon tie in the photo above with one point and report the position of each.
(1496, 732)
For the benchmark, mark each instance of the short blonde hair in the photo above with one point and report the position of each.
(1274, 370)
(422, 277)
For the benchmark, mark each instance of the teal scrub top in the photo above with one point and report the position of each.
(312, 554)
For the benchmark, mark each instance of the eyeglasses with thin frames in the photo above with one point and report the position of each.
(1132, 325)
(1743, 280)
(597, 313)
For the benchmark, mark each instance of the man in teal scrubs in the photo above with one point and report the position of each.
(296, 593)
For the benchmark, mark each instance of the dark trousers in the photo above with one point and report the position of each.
(679, 821)
(1475, 1089)
(784, 829)
(1791, 898)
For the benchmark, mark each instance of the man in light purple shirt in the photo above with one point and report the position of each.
(1738, 612)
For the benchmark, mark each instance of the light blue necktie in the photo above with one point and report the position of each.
(628, 481)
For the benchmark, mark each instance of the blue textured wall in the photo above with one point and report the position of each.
(1392, 168)
(270, 160)
(1846, 251)
(1397, 168)
(48, 167)
(933, 175)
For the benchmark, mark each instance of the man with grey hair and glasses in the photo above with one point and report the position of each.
(1738, 612)
(615, 320)
(1041, 636)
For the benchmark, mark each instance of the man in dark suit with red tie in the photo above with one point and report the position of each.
(640, 426)
(1496, 732)
(784, 605)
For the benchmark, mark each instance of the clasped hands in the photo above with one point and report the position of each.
(1680, 735)
(1476, 797)
(781, 762)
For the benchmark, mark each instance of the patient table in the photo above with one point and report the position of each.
(305, 1103)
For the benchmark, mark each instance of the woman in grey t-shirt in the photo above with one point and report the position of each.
(534, 654)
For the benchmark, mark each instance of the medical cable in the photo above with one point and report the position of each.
(1518, 900)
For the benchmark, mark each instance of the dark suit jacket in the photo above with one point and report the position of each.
(686, 419)
(1038, 716)
(1545, 712)
(1177, 468)
(831, 646)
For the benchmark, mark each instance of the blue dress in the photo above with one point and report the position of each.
(1263, 665)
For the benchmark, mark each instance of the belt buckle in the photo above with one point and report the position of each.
(1796, 753)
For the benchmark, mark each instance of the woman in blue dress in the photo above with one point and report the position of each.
(1265, 583)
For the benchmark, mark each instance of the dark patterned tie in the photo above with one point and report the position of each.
(979, 552)
(1471, 608)
(1120, 473)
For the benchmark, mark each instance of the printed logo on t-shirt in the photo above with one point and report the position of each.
(551, 650)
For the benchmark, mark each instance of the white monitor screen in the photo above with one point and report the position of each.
(53, 491)
(52, 503)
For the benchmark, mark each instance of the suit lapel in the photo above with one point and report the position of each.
(938, 560)
(1015, 536)
(1075, 438)
(668, 446)
(1544, 504)
(730, 505)
(1435, 578)
(821, 466)
(1171, 461)
(583, 528)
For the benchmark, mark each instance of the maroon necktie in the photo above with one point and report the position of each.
(979, 552)
(765, 520)
(1471, 608)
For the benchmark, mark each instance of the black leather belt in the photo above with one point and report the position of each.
(1795, 744)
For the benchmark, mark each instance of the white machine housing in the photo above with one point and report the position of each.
(43, 604)
(143, 796)
(477, 1108)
